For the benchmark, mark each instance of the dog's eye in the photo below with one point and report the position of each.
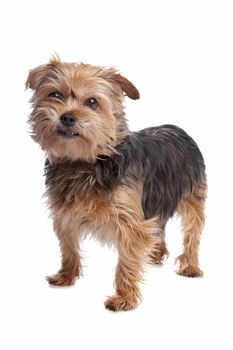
(91, 103)
(57, 95)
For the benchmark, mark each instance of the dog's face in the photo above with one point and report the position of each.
(77, 109)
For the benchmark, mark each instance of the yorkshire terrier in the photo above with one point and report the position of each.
(119, 186)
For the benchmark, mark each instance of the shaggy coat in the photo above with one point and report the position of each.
(102, 179)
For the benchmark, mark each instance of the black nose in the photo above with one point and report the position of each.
(68, 119)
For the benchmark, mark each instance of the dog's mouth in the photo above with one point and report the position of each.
(67, 133)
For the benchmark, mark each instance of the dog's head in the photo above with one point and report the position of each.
(77, 109)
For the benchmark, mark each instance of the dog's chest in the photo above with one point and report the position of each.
(71, 182)
(83, 201)
(77, 199)
(79, 196)
(84, 216)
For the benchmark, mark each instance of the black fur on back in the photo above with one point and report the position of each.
(164, 159)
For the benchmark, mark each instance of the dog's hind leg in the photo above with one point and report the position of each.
(191, 210)
(160, 251)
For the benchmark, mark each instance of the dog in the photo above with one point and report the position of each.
(102, 179)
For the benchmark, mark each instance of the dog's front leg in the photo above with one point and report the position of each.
(134, 243)
(70, 252)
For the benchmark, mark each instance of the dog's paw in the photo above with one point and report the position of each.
(158, 254)
(157, 257)
(187, 269)
(190, 271)
(61, 280)
(120, 303)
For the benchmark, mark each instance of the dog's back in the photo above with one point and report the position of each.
(169, 164)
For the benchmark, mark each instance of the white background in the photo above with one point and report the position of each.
(179, 55)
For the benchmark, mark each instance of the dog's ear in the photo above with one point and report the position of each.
(130, 90)
(35, 75)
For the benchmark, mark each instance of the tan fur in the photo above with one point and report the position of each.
(192, 214)
(121, 224)
(159, 252)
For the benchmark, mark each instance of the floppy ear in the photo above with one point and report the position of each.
(35, 75)
(130, 90)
